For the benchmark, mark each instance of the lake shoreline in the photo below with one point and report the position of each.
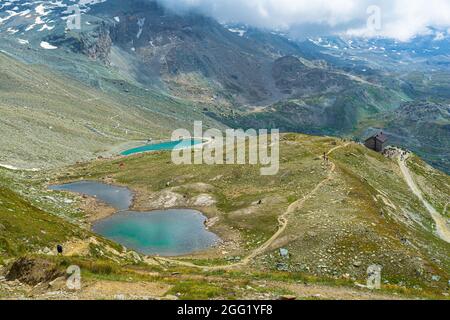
(166, 145)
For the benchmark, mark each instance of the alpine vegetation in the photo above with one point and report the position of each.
(235, 146)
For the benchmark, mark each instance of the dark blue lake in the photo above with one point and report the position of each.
(170, 145)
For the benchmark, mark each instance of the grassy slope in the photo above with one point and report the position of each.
(47, 119)
(25, 228)
(434, 184)
(365, 215)
(41, 218)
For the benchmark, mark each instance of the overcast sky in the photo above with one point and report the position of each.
(400, 19)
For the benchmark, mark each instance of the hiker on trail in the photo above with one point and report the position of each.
(325, 159)
(59, 248)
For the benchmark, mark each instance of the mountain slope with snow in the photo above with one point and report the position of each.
(236, 74)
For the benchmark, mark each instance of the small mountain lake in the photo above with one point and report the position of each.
(117, 197)
(165, 232)
(169, 145)
(171, 232)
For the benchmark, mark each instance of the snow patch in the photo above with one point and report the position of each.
(10, 167)
(30, 27)
(140, 23)
(12, 30)
(40, 9)
(240, 32)
(46, 27)
(47, 46)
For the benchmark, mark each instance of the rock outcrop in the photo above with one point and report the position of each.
(33, 271)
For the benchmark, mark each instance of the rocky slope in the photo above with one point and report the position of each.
(237, 75)
(422, 126)
(48, 119)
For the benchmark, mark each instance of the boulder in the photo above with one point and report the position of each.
(284, 253)
(357, 264)
(58, 284)
(33, 271)
(288, 297)
(282, 267)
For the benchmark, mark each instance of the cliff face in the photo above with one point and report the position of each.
(94, 42)
(97, 44)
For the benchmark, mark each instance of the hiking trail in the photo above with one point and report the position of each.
(442, 228)
(283, 222)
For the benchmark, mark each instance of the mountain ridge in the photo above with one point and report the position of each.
(237, 75)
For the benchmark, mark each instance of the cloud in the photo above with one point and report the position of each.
(399, 19)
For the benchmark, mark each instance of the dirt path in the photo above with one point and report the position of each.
(282, 222)
(335, 293)
(441, 224)
(123, 290)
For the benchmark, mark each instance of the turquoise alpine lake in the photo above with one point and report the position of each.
(171, 232)
(169, 145)
(161, 232)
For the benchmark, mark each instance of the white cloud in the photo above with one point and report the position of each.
(400, 19)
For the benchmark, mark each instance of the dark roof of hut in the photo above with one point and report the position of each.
(380, 137)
